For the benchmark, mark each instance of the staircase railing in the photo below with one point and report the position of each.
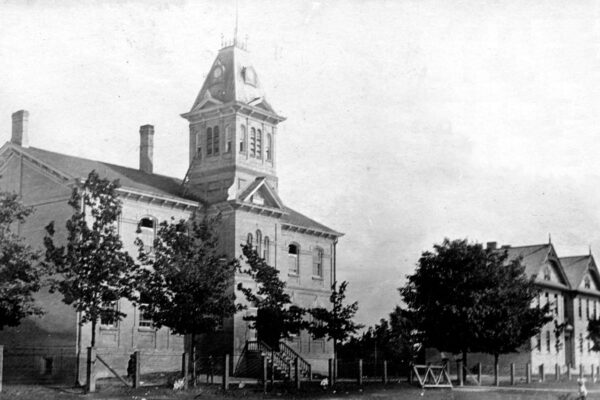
(275, 357)
(305, 367)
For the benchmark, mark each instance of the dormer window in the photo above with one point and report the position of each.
(547, 273)
(587, 282)
(256, 198)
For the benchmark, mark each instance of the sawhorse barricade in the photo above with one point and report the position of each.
(432, 376)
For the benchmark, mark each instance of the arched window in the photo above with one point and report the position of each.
(209, 141)
(258, 242)
(258, 143)
(268, 145)
(266, 249)
(547, 274)
(294, 259)
(252, 142)
(318, 262)
(216, 141)
(242, 138)
(548, 341)
(249, 239)
(228, 143)
(146, 232)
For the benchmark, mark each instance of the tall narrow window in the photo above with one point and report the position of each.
(547, 274)
(556, 309)
(146, 232)
(293, 253)
(209, 141)
(587, 283)
(318, 262)
(587, 308)
(581, 342)
(539, 342)
(266, 249)
(228, 143)
(242, 138)
(252, 142)
(268, 145)
(144, 320)
(216, 141)
(249, 239)
(259, 242)
(579, 309)
(548, 341)
(595, 310)
(258, 143)
(198, 146)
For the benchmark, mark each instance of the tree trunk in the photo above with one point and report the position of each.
(335, 361)
(93, 333)
(496, 370)
(464, 366)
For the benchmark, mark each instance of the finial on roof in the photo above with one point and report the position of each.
(235, 30)
(234, 41)
(549, 238)
(590, 248)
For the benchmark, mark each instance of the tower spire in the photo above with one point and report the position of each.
(235, 30)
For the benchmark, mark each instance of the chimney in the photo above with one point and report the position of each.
(492, 245)
(20, 122)
(146, 148)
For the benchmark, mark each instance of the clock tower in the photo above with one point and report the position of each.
(233, 130)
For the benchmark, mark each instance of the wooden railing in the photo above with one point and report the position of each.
(291, 354)
(274, 357)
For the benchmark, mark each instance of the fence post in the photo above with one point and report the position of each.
(581, 370)
(459, 373)
(91, 373)
(542, 376)
(297, 372)
(385, 379)
(360, 372)
(479, 374)
(512, 373)
(330, 371)
(136, 373)
(185, 366)
(569, 371)
(527, 373)
(265, 372)
(1, 364)
(496, 374)
(226, 372)
(557, 372)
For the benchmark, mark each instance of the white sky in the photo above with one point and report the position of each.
(408, 121)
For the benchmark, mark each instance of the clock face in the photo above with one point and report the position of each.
(217, 72)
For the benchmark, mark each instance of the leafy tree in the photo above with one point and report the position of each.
(276, 318)
(20, 272)
(92, 270)
(467, 298)
(507, 319)
(337, 323)
(593, 330)
(187, 282)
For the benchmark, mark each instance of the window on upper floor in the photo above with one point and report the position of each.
(209, 141)
(228, 139)
(293, 259)
(548, 342)
(595, 309)
(266, 249)
(587, 308)
(581, 342)
(547, 274)
(318, 262)
(259, 242)
(579, 306)
(198, 146)
(249, 239)
(556, 304)
(268, 147)
(587, 282)
(258, 143)
(147, 232)
(216, 141)
(252, 142)
(242, 138)
(539, 342)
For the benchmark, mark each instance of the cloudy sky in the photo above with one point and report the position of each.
(407, 121)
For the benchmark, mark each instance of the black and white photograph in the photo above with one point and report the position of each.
(287, 199)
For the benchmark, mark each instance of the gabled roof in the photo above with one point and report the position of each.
(232, 78)
(576, 268)
(78, 168)
(533, 257)
(260, 184)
